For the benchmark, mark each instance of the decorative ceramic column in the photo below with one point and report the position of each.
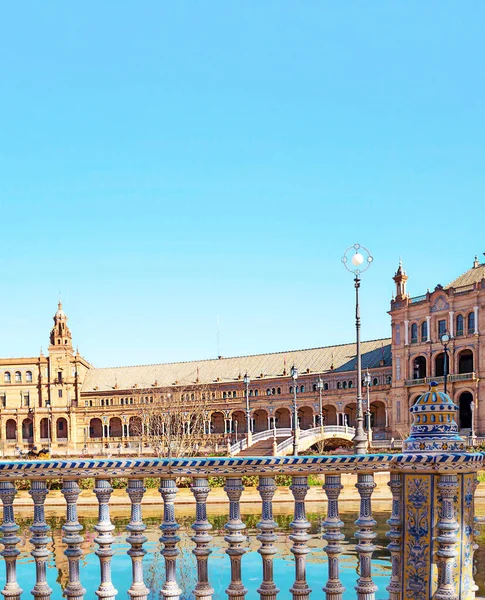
(447, 528)
(475, 310)
(202, 538)
(365, 587)
(406, 333)
(74, 590)
(39, 540)
(333, 588)
(267, 488)
(104, 539)
(300, 526)
(235, 538)
(437, 505)
(136, 538)
(169, 539)
(9, 541)
(395, 536)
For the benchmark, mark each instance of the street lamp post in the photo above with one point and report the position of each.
(249, 434)
(320, 389)
(360, 261)
(294, 376)
(445, 340)
(367, 381)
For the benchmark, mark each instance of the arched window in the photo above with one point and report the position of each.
(224, 394)
(344, 385)
(414, 333)
(28, 376)
(7, 377)
(302, 389)
(419, 367)
(325, 386)
(388, 379)
(351, 384)
(256, 392)
(18, 377)
(268, 392)
(439, 365)
(279, 390)
(375, 381)
(424, 331)
(314, 387)
(460, 325)
(250, 392)
(471, 323)
(291, 389)
(339, 385)
(273, 391)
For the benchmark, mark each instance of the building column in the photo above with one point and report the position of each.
(428, 321)
(406, 333)
(475, 310)
(451, 325)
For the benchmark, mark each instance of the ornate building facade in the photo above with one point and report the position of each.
(62, 403)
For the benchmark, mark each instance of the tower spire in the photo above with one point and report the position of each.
(400, 278)
(60, 334)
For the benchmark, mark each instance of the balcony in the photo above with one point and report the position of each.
(451, 379)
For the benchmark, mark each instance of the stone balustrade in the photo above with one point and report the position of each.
(432, 504)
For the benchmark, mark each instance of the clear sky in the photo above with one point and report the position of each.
(163, 163)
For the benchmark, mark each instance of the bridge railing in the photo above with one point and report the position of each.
(409, 498)
(411, 503)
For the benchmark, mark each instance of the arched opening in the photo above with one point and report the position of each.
(283, 418)
(11, 430)
(260, 417)
(378, 414)
(465, 410)
(238, 422)
(329, 415)
(27, 430)
(61, 429)
(95, 428)
(45, 433)
(217, 423)
(305, 417)
(465, 362)
(414, 333)
(439, 365)
(115, 427)
(134, 427)
(419, 367)
(424, 331)
(349, 414)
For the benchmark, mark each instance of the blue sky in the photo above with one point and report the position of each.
(162, 163)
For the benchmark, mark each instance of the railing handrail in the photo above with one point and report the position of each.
(223, 466)
(269, 433)
(441, 378)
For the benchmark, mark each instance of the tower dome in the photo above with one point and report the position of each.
(434, 428)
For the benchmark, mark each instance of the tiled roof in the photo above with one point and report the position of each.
(473, 275)
(260, 366)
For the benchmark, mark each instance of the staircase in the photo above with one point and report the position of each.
(262, 448)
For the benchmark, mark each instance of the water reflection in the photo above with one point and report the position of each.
(219, 568)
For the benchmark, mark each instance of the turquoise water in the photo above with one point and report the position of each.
(219, 566)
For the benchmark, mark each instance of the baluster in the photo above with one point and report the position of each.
(169, 539)
(235, 538)
(299, 537)
(74, 590)
(394, 535)
(365, 587)
(202, 538)
(9, 540)
(104, 528)
(39, 540)
(136, 539)
(267, 537)
(447, 527)
(333, 589)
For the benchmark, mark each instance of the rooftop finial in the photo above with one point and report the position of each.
(475, 262)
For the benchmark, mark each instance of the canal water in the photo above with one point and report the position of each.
(219, 566)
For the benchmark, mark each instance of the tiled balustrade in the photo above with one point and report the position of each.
(432, 503)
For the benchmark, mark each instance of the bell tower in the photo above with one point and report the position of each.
(400, 279)
(60, 334)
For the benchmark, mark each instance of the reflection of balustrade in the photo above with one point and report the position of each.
(441, 379)
(417, 497)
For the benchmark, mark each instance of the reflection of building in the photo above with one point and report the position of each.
(60, 401)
